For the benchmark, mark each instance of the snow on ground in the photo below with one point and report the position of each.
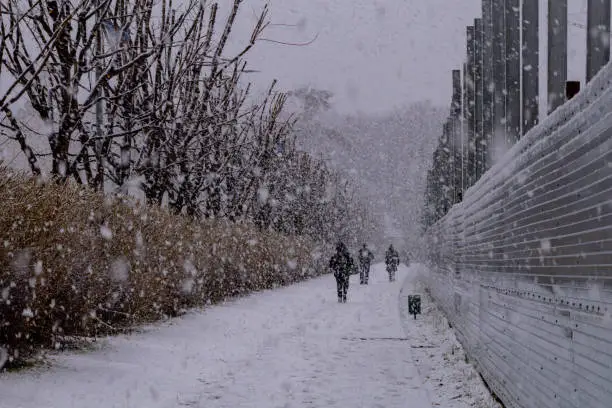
(292, 347)
(442, 363)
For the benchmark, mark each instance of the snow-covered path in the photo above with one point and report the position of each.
(292, 347)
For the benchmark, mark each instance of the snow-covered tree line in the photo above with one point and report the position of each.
(112, 94)
(439, 191)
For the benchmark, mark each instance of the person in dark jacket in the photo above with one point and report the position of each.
(365, 260)
(341, 264)
(392, 261)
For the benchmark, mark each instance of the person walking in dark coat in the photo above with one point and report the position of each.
(341, 264)
(365, 260)
(392, 261)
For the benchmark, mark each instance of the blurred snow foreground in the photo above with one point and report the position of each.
(291, 347)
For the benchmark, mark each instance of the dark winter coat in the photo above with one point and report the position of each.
(365, 256)
(391, 257)
(341, 264)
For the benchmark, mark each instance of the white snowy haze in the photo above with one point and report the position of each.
(387, 154)
(374, 55)
(387, 65)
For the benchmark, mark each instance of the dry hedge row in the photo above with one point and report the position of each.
(76, 263)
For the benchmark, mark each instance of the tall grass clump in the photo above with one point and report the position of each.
(74, 262)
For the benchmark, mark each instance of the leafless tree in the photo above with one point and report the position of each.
(146, 91)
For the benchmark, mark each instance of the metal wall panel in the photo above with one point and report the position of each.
(513, 71)
(479, 142)
(557, 53)
(488, 91)
(499, 71)
(470, 111)
(455, 134)
(598, 36)
(522, 266)
(531, 64)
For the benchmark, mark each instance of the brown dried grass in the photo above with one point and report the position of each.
(76, 263)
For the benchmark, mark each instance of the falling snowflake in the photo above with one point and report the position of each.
(106, 232)
(545, 245)
(120, 270)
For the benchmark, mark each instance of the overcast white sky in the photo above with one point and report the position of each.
(373, 54)
(376, 55)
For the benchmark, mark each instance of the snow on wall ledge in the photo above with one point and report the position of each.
(523, 266)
